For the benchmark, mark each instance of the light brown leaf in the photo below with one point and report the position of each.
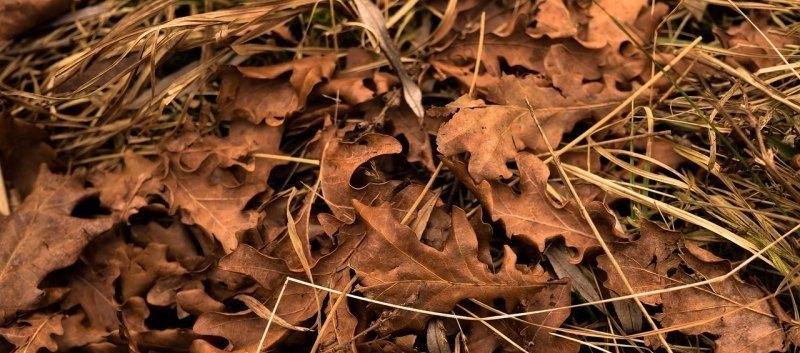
(762, 334)
(17, 17)
(534, 216)
(125, 190)
(260, 94)
(340, 162)
(207, 180)
(535, 332)
(35, 332)
(654, 262)
(43, 236)
(645, 263)
(23, 149)
(299, 302)
(396, 268)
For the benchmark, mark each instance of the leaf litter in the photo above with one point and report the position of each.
(359, 176)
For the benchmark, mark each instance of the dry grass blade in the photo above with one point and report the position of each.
(264, 313)
(373, 19)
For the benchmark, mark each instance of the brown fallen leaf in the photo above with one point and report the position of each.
(534, 216)
(76, 334)
(493, 134)
(19, 16)
(653, 262)
(342, 328)
(207, 180)
(763, 333)
(405, 123)
(753, 50)
(533, 332)
(299, 302)
(260, 94)
(177, 237)
(41, 236)
(646, 263)
(126, 189)
(340, 162)
(204, 182)
(141, 268)
(23, 149)
(394, 267)
(93, 290)
(196, 302)
(35, 332)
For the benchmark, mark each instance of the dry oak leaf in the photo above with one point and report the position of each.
(405, 123)
(19, 16)
(261, 94)
(751, 48)
(299, 302)
(210, 187)
(23, 149)
(535, 332)
(339, 163)
(645, 262)
(657, 261)
(42, 236)
(124, 191)
(534, 216)
(34, 333)
(358, 82)
(492, 134)
(575, 88)
(723, 301)
(397, 268)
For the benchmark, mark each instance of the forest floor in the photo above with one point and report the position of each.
(399, 176)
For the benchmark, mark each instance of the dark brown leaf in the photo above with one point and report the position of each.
(398, 269)
(42, 236)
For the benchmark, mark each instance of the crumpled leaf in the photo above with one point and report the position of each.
(202, 185)
(207, 180)
(534, 333)
(753, 49)
(493, 134)
(125, 190)
(398, 269)
(586, 74)
(419, 144)
(653, 262)
(763, 333)
(17, 17)
(35, 332)
(23, 149)
(534, 216)
(261, 94)
(299, 302)
(646, 263)
(42, 236)
(340, 162)
(342, 329)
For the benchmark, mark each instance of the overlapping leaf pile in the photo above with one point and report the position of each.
(192, 249)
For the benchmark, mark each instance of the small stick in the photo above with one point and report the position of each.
(480, 53)
(286, 158)
(5, 209)
(335, 307)
(416, 203)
